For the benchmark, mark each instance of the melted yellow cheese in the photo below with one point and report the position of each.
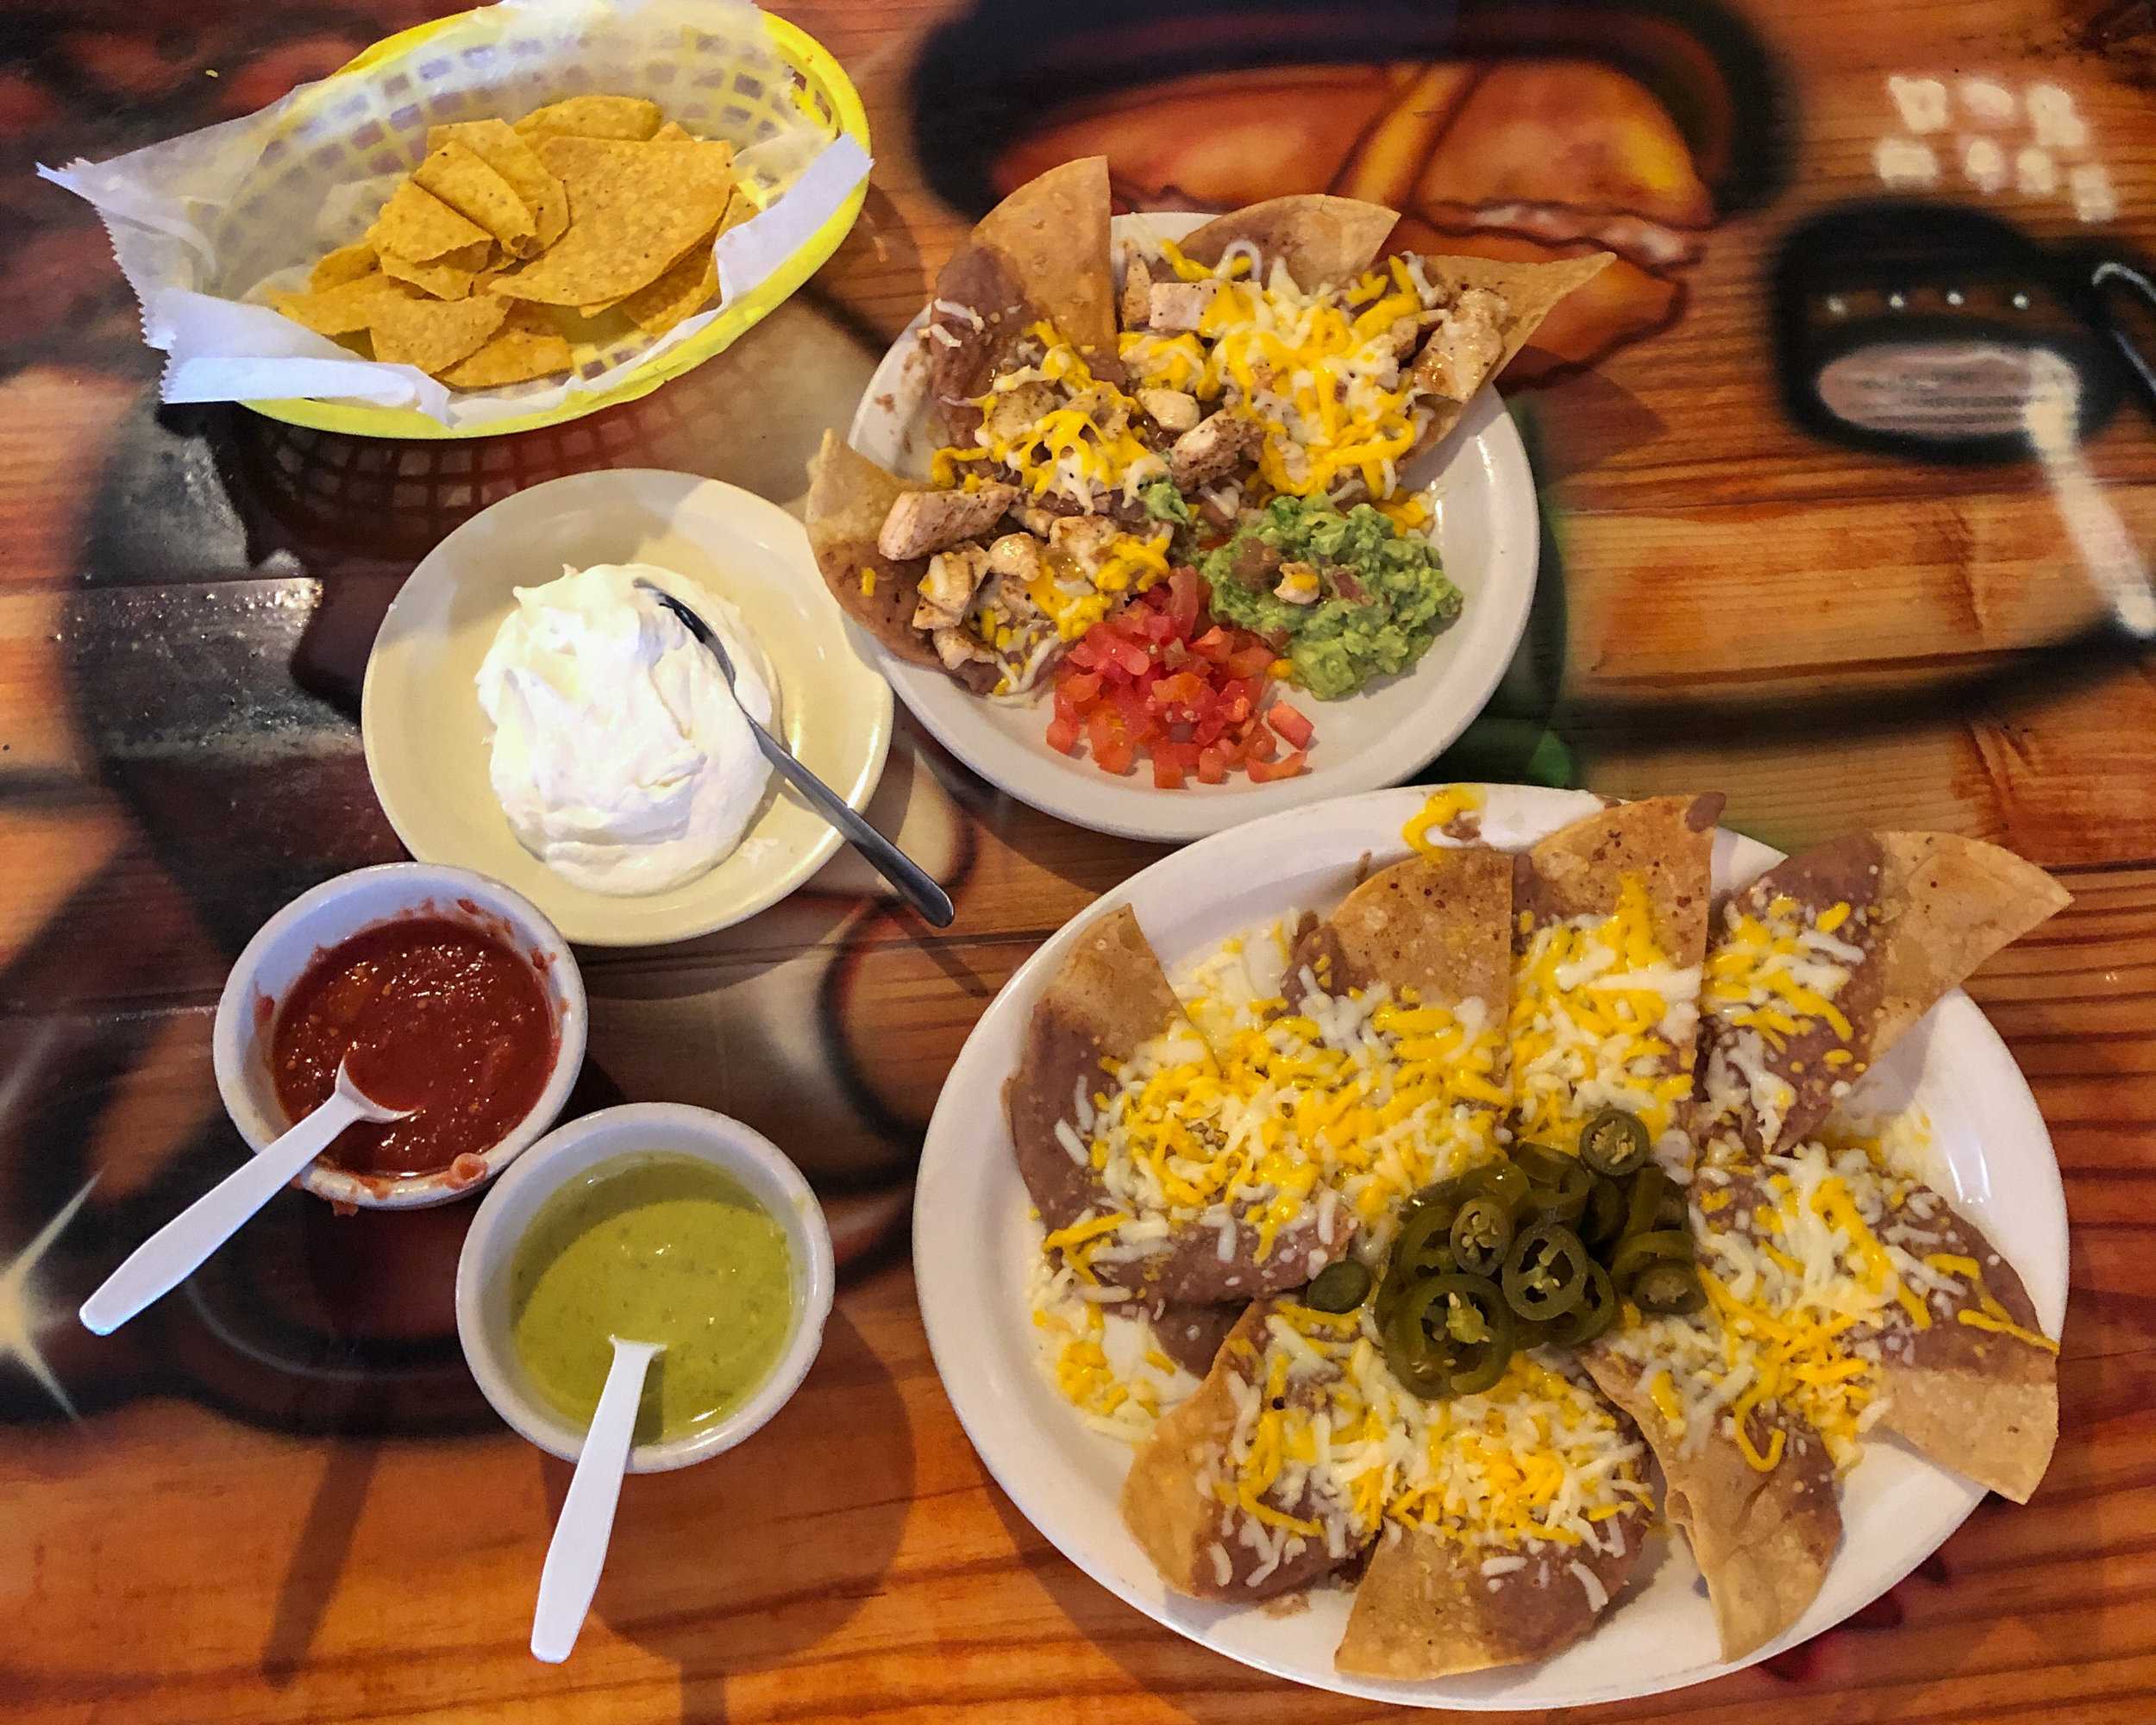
(1446, 805)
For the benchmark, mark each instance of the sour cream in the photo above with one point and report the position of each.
(620, 757)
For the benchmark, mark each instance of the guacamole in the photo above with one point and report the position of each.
(1377, 599)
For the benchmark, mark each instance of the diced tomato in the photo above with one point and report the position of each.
(1214, 645)
(1130, 658)
(1213, 765)
(1265, 772)
(1081, 687)
(1168, 774)
(1184, 598)
(1250, 662)
(1181, 689)
(1118, 758)
(1101, 728)
(1063, 735)
(1261, 747)
(1290, 724)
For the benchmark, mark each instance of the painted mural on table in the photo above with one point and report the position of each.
(1954, 316)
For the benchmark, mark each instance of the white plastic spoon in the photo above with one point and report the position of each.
(578, 1551)
(176, 1250)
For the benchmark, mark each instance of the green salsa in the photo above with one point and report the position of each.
(657, 1248)
(1381, 597)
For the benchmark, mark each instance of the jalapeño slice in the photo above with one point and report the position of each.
(1480, 1234)
(1614, 1142)
(1337, 1287)
(1448, 1335)
(1546, 1271)
(1669, 1286)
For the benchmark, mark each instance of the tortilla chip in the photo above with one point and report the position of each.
(1110, 996)
(1440, 925)
(345, 310)
(1530, 291)
(417, 225)
(630, 117)
(346, 264)
(527, 346)
(674, 132)
(1171, 1514)
(1322, 239)
(1424, 1608)
(1951, 903)
(461, 179)
(1762, 1540)
(740, 208)
(433, 334)
(1932, 908)
(685, 289)
(848, 496)
(449, 277)
(1979, 1400)
(1053, 233)
(497, 143)
(634, 208)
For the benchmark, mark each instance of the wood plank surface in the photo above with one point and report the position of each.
(279, 1497)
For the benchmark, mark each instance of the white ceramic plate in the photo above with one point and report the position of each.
(426, 741)
(1487, 534)
(973, 1253)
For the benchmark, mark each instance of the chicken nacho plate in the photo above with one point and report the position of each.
(1412, 1266)
(1175, 502)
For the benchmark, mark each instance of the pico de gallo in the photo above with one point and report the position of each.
(1166, 680)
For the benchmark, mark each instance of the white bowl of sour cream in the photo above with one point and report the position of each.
(528, 714)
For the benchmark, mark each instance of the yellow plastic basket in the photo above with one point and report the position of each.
(825, 94)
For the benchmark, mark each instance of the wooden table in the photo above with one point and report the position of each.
(279, 1497)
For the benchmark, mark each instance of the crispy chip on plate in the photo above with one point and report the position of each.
(347, 263)
(450, 276)
(344, 309)
(433, 334)
(527, 346)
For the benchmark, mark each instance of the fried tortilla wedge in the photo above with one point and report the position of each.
(1762, 1540)
(1425, 1609)
(1667, 844)
(1979, 1399)
(1439, 924)
(849, 498)
(1925, 910)
(1109, 998)
(1053, 233)
(1529, 291)
(1167, 1505)
(1323, 239)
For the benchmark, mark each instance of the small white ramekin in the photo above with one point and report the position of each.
(289, 942)
(669, 1128)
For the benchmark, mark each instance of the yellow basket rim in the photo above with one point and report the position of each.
(802, 52)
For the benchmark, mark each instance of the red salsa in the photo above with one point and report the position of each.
(435, 1016)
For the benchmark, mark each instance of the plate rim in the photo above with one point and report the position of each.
(1162, 817)
(1959, 1016)
(820, 850)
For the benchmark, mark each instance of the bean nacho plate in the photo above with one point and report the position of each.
(1480, 494)
(1977, 1141)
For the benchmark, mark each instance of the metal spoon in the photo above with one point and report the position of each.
(894, 864)
(577, 1550)
(178, 1249)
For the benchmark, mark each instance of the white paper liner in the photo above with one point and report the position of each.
(203, 225)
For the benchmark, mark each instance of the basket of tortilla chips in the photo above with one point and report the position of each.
(497, 221)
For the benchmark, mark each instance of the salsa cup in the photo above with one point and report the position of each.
(289, 942)
(669, 1128)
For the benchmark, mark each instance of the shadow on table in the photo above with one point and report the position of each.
(743, 1562)
(317, 1559)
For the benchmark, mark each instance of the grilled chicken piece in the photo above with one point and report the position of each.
(1137, 306)
(947, 588)
(920, 522)
(1170, 409)
(1463, 347)
(1035, 519)
(1172, 307)
(1017, 558)
(957, 649)
(1083, 538)
(1015, 411)
(1211, 449)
